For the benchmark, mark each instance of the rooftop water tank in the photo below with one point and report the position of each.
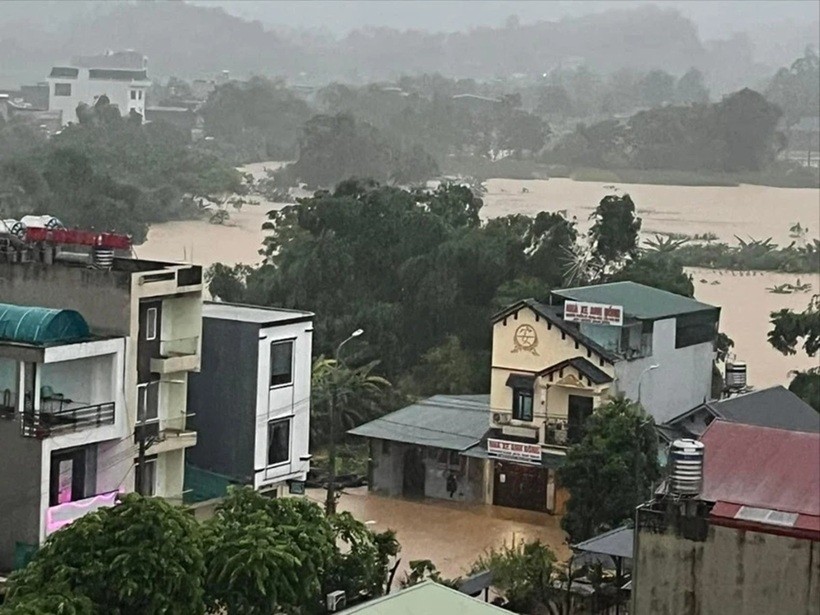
(686, 465)
(12, 227)
(49, 222)
(735, 376)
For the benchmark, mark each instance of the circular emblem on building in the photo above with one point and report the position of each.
(525, 338)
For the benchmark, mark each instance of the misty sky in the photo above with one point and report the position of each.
(714, 18)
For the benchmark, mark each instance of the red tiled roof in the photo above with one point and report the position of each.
(762, 467)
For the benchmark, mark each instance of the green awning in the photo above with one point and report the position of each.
(40, 326)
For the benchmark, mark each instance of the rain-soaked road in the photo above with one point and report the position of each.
(450, 534)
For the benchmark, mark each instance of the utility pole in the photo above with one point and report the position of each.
(330, 501)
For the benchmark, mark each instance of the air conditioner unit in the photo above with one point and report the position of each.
(336, 601)
(501, 418)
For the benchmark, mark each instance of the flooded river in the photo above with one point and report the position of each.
(756, 211)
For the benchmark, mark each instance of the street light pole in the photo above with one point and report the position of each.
(640, 378)
(330, 501)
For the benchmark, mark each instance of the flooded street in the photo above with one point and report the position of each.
(452, 535)
(756, 211)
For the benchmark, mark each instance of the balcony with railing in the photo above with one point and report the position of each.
(61, 416)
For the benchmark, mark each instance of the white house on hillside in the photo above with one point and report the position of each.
(121, 76)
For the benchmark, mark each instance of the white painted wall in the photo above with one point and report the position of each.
(682, 381)
(88, 90)
(279, 402)
(102, 365)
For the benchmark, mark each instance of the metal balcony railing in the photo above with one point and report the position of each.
(59, 418)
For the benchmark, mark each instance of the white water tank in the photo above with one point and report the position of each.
(735, 376)
(686, 465)
(12, 227)
(49, 222)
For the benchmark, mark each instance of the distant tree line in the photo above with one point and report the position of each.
(740, 133)
(106, 172)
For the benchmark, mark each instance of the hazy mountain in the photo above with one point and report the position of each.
(194, 40)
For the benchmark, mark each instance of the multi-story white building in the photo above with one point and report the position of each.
(154, 310)
(250, 402)
(121, 76)
(64, 433)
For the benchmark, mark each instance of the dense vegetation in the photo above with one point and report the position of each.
(422, 274)
(256, 556)
(107, 172)
(333, 148)
(789, 329)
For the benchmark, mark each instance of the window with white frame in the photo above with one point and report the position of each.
(151, 324)
(148, 402)
(279, 441)
(281, 363)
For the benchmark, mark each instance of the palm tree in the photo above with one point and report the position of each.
(342, 397)
(359, 396)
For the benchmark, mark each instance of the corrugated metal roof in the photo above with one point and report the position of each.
(639, 301)
(616, 543)
(762, 467)
(427, 598)
(454, 422)
(38, 325)
(773, 407)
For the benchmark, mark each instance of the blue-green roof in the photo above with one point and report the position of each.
(639, 301)
(427, 598)
(40, 326)
(201, 485)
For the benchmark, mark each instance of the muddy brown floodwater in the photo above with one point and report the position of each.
(451, 534)
(745, 210)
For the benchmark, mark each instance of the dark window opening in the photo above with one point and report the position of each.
(62, 89)
(522, 404)
(578, 411)
(278, 441)
(281, 363)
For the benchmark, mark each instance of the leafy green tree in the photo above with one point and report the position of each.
(806, 385)
(334, 148)
(796, 90)
(659, 270)
(449, 369)
(523, 574)
(255, 120)
(522, 132)
(265, 555)
(141, 556)
(611, 470)
(360, 565)
(615, 229)
(747, 123)
(790, 327)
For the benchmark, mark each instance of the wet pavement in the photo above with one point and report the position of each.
(451, 534)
